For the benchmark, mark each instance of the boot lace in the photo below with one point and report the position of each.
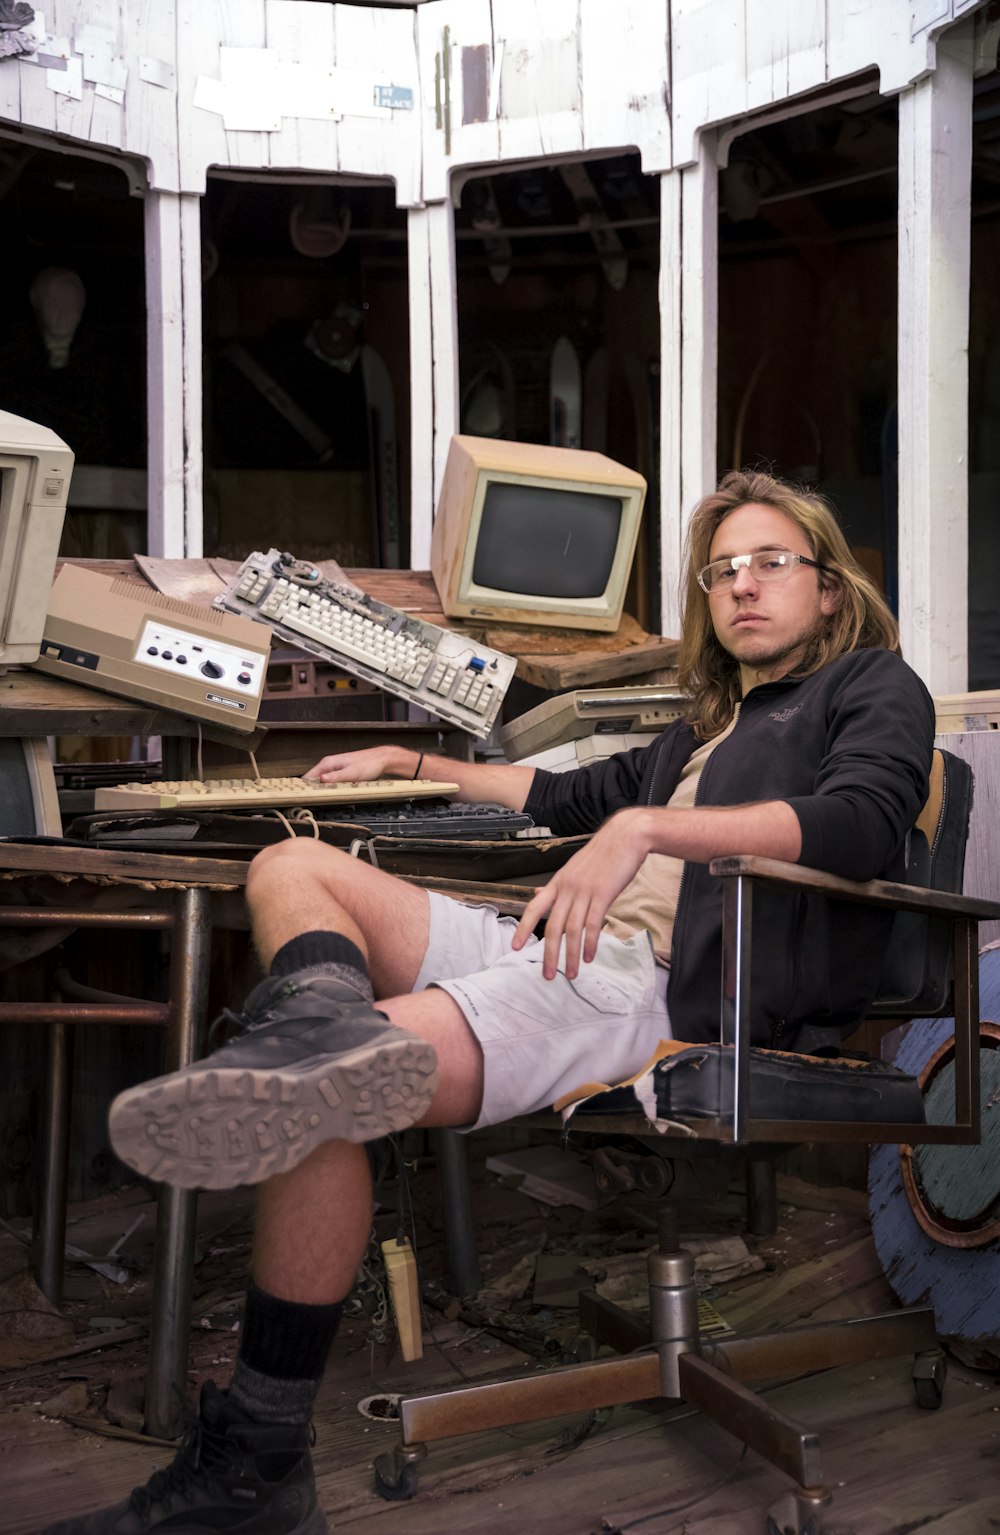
(200, 1456)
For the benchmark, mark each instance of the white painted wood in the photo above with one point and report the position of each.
(164, 376)
(540, 97)
(240, 24)
(444, 337)
(10, 90)
(302, 34)
(730, 57)
(434, 391)
(981, 750)
(699, 324)
(935, 161)
(376, 45)
(201, 137)
(625, 74)
(62, 17)
(151, 111)
(671, 508)
(38, 103)
(173, 373)
(574, 77)
(192, 349)
(785, 51)
(688, 292)
(469, 24)
(418, 246)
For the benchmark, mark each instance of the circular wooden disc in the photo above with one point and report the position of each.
(936, 1210)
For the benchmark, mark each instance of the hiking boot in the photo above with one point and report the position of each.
(229, 1475)
(313, 1061)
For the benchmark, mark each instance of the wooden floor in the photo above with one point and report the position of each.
(894, 1467)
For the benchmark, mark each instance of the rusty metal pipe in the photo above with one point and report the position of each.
(84, 1012)
(66, 916)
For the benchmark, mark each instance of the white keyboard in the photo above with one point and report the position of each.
(440, 670)
(261, 794)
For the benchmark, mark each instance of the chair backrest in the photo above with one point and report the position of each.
(916, 976)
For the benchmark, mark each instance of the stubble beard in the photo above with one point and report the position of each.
(758, 656)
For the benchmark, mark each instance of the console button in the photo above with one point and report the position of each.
(244, 677)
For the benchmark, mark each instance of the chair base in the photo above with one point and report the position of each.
(676, 1370)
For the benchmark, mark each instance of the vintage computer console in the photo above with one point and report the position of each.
(129, 640)
(530, 534)
(588, 724)
(35, 470)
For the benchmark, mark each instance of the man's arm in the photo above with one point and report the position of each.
(496, 783)
(576, 899)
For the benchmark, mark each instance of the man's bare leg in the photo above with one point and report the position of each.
(297, 1256)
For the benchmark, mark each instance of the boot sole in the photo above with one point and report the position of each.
(220, 1127)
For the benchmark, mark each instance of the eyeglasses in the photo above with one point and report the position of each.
(765, 565)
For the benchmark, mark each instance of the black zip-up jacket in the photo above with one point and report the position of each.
(849, 748)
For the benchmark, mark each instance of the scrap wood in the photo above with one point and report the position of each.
(106, 1430)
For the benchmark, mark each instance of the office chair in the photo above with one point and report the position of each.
(737, 1096)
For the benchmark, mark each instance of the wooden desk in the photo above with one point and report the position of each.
(555, 660)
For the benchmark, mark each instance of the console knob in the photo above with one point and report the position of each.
(211, 669)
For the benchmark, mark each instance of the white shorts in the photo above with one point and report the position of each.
(541, 1038)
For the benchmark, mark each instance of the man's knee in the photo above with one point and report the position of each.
(297, 858)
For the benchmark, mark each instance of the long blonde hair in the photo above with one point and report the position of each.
(862, 621)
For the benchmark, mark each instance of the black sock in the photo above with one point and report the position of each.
(328, 952)
(283, 1352)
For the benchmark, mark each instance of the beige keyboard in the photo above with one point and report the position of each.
(261, 794)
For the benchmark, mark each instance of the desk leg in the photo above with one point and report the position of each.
(49, 1233)
(177, 1208)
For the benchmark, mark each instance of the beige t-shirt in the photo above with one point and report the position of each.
(650, 900)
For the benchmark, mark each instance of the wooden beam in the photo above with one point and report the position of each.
(434, 411)
(935, 169)
(689, 211)
(173, 373)
(671, 507)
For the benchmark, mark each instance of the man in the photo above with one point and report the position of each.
(808, 739)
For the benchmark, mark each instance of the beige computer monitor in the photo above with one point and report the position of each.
(35, 470)
(529, 534)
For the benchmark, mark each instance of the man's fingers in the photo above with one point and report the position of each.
(532, 915)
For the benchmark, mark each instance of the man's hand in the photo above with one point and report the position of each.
(576, 899)
(499, 784)
(364, 766)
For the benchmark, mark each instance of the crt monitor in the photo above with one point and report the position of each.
(535, 535)
(35, 470)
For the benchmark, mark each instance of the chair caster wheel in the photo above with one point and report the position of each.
(811, 1527)
(929, 1372)
(799, 1512)
(396, 1472)
(928, 1394)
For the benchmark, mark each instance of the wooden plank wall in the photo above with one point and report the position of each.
(508, 81)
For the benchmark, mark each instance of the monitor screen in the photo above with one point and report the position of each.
(544, 541)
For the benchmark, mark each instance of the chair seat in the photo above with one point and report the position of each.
(696, 1082)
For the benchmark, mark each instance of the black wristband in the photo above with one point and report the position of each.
(416, 770)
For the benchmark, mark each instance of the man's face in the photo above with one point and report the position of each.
(766, 625)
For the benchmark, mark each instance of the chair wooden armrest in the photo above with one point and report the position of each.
(869, 892)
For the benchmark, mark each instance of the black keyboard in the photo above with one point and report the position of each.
(429, 818)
